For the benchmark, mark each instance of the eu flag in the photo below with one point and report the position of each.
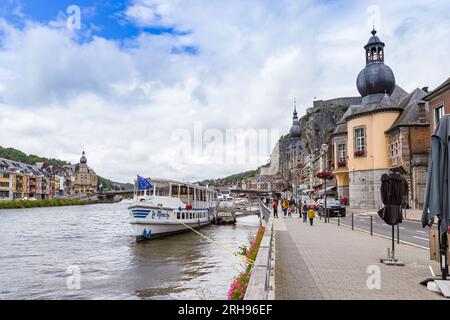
(143, 184)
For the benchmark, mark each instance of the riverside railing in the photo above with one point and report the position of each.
(259, 285)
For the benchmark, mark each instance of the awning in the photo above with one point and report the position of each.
(321, 191)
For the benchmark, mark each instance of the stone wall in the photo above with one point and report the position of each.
(364, 190)
(343, 191)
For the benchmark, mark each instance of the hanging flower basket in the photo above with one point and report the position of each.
(360, 153)
(325, 175)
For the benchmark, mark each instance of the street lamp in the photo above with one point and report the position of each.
(325, 149)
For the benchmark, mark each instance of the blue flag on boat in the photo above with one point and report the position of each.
(143, 184)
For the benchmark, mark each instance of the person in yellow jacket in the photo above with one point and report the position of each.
(284, 206)
(311, 215)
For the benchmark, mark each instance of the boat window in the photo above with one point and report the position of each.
(183, 194)
(191, 194)
(183, 216)
(178, 215)
(197, 195)
(190, 215)
(203, 196)
(175, 190)
(163, 191)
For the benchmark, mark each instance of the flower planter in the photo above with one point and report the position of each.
(360, 153)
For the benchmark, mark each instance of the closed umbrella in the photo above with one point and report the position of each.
(391, 195)
(437, 192)
(391, 213)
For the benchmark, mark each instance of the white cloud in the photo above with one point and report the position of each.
(121, 101)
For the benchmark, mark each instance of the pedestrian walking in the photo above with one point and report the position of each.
(284, 206)
(290, 211)
(304, 211)
(311, 215)
(344, 201)
(275, 209)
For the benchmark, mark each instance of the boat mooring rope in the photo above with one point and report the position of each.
(249, 261)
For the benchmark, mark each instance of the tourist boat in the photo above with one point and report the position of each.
(169, 207)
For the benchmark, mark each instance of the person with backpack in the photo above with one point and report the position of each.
(284, 206)
(304, 210)
(311, 215)
(275, 208)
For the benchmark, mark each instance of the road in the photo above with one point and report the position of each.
(410, 231)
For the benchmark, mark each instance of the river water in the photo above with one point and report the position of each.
(41, 248)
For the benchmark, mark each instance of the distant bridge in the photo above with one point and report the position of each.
(253, 192)
(105, 195)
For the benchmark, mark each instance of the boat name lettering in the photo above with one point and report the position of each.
(159, 214)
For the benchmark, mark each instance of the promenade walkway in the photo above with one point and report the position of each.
(331, 262)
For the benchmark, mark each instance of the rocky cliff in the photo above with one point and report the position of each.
(316, 127)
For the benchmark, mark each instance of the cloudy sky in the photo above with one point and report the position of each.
(134, 82)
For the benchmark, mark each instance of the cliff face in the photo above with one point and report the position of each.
(316, 128)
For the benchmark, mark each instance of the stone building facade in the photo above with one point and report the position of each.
(85, 177)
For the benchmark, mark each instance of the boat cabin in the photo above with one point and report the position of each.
(190, 194)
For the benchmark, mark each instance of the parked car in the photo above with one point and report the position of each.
(334, 207)
(311, 204)
(305, 198)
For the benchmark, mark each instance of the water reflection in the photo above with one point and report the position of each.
(38, 245)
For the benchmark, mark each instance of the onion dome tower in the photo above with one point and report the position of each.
(295, 131)
(83, 159)
(376, 79)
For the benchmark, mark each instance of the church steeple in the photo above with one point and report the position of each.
(295, 118)
(295, 131)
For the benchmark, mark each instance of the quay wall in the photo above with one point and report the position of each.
(259, 286)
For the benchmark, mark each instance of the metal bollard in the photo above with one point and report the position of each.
(339, 218)
(353, 227)
(371, 225)
(398, 233)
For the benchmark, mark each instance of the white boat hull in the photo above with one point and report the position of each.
(150, 222)
(152, 230)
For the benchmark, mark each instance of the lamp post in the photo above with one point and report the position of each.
(324, 150)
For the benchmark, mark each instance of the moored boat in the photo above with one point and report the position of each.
(166, 207)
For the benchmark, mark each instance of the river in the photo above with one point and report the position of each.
(41, 248)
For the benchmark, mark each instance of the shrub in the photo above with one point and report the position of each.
(20, 204)
(240, 283)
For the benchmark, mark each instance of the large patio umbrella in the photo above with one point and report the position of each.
(391, 213)
(437, 192)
